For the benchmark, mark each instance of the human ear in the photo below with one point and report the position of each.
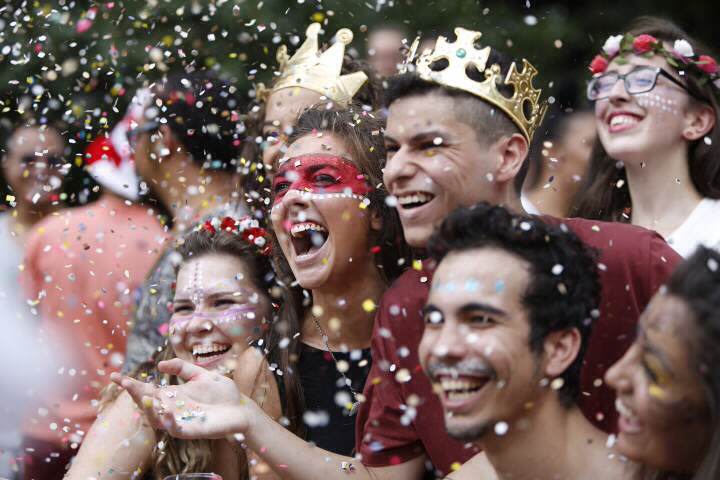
(561, 349)
(699, 121)
(168, 142)
(512, 152)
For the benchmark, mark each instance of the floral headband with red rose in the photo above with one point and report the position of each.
(249, 228)
(681, 56)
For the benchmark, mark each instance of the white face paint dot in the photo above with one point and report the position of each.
(501, 428)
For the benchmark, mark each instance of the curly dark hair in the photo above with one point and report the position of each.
(554, 301)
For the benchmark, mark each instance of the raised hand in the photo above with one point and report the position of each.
(207, 405)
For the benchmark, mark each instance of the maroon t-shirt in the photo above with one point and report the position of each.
(402, 418)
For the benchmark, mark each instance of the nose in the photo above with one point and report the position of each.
(619, 376)
(295, 199)
(450, 343)
(618, 92)
(398, 168)
(199, 325)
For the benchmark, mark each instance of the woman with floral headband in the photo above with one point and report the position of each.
(222, 303)
(657, 162)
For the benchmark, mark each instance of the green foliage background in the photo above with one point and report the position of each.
(52, 67)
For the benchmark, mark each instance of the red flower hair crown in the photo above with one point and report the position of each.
(681, 56)
(247, 227)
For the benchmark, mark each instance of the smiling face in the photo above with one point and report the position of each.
(435, 163)
(322, 225)
(217, 311)
(281, 112)
(475, 348)
(664, 417)
(35, 167)
(633, 127)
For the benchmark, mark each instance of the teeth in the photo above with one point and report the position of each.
(414, 198)
(453, 385)
(211, 348)
(624, 410)
(623, 120)
(302, 227)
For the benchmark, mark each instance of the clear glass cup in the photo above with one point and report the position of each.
(195, 476)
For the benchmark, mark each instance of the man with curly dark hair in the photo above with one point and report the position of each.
(508, 317)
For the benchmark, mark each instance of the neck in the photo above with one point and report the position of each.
(193, 193)
(662, 192)
(548, 446)
(26, 215)
(555, 199)
(342, 311)
(508, 198)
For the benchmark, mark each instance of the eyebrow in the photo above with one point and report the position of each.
(419, 136)
(219, 293)
(652, 349)
(474, 306)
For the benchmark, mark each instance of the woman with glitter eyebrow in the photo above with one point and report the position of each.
(668, 383)
(656, 163)
(222, 304)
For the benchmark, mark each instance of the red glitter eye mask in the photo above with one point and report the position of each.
(321, 174)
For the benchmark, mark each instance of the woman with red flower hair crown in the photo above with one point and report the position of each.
(222, 305)
(657, 159)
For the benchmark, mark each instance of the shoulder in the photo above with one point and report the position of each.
(405, 297)
(622, 241)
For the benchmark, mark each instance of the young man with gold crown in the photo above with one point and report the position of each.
(307, 78)
(459, 126)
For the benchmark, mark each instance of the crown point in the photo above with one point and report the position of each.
(344, 36)
(313, 30)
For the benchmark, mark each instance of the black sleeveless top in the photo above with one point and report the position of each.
(327, 421)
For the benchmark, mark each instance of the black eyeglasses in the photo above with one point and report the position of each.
(638, 80)
(147, 127)
(51, 160)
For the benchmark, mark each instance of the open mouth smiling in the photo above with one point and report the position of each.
(207, 353)
(308, 237)
(411, 200)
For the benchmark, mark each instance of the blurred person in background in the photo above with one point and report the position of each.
(559, 162)
(34, 167)
(82, 267)
(657, 162)
(384, 48)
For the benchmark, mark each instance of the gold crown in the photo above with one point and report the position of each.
(462, 54)
(319, 72)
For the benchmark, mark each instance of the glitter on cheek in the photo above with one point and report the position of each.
(658, 102)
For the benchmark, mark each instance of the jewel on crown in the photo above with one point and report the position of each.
(524, 107)
(319, 72)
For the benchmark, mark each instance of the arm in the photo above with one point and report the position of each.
(119, 442)
(228, 413)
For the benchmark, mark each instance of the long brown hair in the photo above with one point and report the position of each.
(606, 193)
(187, 456)
(362, 135)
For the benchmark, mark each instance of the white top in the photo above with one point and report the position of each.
(701, 227)
(528, 205)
